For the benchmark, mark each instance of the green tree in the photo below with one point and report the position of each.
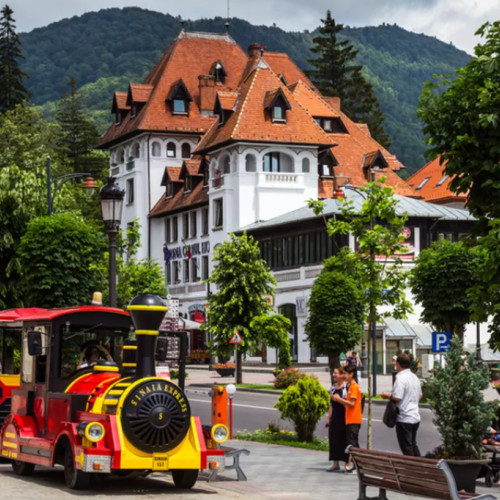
(79, 134)
(273, 330)
(337, 307)
(304, 403)
(462, 125)
(455, 394)
(56, 254)
(377, 228)
(336, 74)
(242, 279)
(439, 282)
(12, 90)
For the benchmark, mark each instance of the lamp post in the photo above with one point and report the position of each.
(338, 193)
(89, 185)
(111, 197)
(231, 391)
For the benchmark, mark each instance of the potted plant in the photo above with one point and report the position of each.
(224, 369)
(460, 413)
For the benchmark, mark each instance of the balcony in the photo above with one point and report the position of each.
(218, 182)
(130, 165)
(281, 178)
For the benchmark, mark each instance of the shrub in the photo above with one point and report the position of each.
(304, 404)
(288, 377)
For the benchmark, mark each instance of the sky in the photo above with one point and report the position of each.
(452, 21)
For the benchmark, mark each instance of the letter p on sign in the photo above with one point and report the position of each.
(440, 341)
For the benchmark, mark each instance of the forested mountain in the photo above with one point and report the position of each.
(105, 50)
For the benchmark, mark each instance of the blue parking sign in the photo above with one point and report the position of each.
(441, 341)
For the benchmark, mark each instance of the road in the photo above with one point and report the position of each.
(252, 411)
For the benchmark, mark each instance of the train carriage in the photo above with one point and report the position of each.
(98, 416)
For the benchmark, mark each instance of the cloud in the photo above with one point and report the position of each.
(449, 20)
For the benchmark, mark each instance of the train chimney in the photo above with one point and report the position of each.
(147, 312)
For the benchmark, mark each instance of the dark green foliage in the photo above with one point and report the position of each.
(304, 403)
(242, 279)
(116, 46)
(12, 89)
(336, 74)
(337, 307)
(460, 413)
(439, 282)
(288, 377)
(79, 134)
(56, 254)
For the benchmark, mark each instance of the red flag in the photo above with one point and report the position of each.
(188, 252)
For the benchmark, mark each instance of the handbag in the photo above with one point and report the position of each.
(391, 414)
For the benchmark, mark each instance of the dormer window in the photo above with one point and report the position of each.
(326, 162)
(188, 184)
(277, 104)
(178, 98)
(331, 125)
(169, 189)
(133, 111)
(218, 72)
(118, 118)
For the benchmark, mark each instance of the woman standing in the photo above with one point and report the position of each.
(335, 421)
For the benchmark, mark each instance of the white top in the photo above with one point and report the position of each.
(407, 389)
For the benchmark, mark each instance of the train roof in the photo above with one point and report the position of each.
(9, 317)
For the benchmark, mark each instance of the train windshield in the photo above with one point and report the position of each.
(84, 347)
(10, 351)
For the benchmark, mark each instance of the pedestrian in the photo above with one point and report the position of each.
(335, 421)
(353, 412)
(354, 360)
(406, 393)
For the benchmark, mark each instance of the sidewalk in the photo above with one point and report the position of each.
(292, 473)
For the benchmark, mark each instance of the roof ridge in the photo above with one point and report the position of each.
(225, 37)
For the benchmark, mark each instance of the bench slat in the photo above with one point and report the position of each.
(440, 494)
(392, 456)
(399, 466)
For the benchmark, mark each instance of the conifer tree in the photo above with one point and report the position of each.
(336, 74)
(80, 134)
(12, 89)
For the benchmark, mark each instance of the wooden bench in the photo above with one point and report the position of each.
(235, 454)
(415, 476)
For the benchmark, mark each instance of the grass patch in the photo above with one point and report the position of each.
(378, 397)
(257, 386)
(282, 437)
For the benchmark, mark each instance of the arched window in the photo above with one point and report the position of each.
(250, 163)
(171, 150)
(277, 162)
(186, 150)
(136, 151)
(305, 165)
(156, 149)
(226, 165)
(121, 155)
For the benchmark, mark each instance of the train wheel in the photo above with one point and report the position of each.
(74, 478)
(22, 468)
(185, 478)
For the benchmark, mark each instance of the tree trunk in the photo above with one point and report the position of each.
(369, 368)
(239, 367)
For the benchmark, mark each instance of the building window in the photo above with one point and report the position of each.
(136, 151)
(177, 271)
(179, 106)
(168, 230)
(194, 270)
(130, 191)
(175, 229)
(122, 156)
(169, 189)
(271, 162)
(250, 163)
(226, 165)
(327, 125)
(168, 269)
(133, 111)
(204, 221)
(186, 150)
(441, 181)
(305, 165)
(118, 118)
(218, 213)
(206, 174)
(204, 270)
(186, 271)
(156, 149)
(188, 184)
(171, 150)
(422, 184)
(185, 226)
(193, 224)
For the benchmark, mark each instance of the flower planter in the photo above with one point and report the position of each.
(225, 372)
(466, 472)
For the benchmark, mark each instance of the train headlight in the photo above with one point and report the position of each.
(219, 433)
(93, 431)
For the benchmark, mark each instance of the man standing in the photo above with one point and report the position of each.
(406, 393)
(353, 413)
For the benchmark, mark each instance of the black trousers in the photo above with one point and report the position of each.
(407, 438)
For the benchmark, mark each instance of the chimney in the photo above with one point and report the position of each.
(255, 49)
(334, 102)
(206, 86)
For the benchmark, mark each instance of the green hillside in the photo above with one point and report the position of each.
(105, 50)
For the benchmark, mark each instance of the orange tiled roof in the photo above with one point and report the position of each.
(120, 102)
(227, 99)
(430, 190)
(138, 93)
(189, 56)
(315, 105)
(172, 174)
(192, 167)
(180, 200)
(250, 121)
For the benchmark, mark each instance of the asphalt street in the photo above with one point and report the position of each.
(252, 411)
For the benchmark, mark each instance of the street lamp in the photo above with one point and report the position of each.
(89, 185)
(338, 193)
(111, 197)
(231, 391)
